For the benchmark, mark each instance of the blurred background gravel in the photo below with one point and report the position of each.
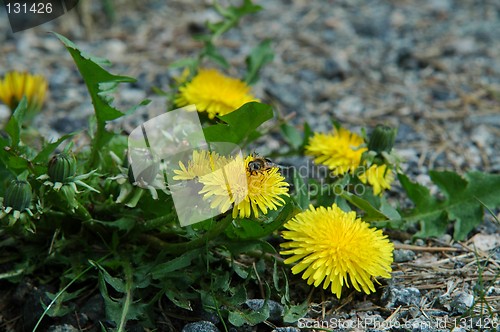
(429, 67)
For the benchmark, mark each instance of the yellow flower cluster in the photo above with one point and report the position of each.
(342, 151)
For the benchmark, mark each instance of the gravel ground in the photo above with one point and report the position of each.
(429, 67)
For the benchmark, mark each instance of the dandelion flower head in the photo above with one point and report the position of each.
(15, 85)
(340, 150)
(214, 93)
(201, 163)
(335, 248)
(247, 191)
(379, 177)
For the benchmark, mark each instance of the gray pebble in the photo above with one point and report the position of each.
(422, 325)
(201, 326)
(403, 255)
(393, 296)
(62, 328)
(275, 308)
(462, 302)
(287, 329)
(420, 242)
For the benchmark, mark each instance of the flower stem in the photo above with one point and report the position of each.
(155, 223)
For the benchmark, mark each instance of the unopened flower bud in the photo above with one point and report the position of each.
(18, 195)
(62, 168)
(382, 139)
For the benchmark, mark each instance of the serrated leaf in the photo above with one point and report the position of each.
(291, 135)
(94, 76)
(301, 191)
(44, 154)
(122, 309)
(213, 53)
(238, 317)
(58, 309)
(388, 210)
(462, 204)
(178, 298)
(295, 312)
(15, 123)
(116, 283)
(240, 271)
(259, 57)
(164, 269)
(98, 82)
(371, 213)
(239, 125)
(308, 133)
(184, 62)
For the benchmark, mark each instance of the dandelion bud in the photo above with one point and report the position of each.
(18, 195)
(382, 139)
(62, 168)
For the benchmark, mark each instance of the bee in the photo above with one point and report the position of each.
(259, 165)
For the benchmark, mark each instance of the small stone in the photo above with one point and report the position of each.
(275, 309)
(462, 302)
(393, 296)
(201, 326)
(420, 242)
(446, 238)
(403, 255)
(486, 242)
(210, 316)
(351, 105)
(493, 291)
(459, 329)
(62, 328)
(334, 69)
(421, 325)
(286, 329)
(464, 46)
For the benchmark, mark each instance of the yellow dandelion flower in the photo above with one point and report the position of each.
(339, 150)
(256, 191)
(201, 163)
(214, 93)
(379, 177)
(15, 85)
(226, 186)
(332, 246)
